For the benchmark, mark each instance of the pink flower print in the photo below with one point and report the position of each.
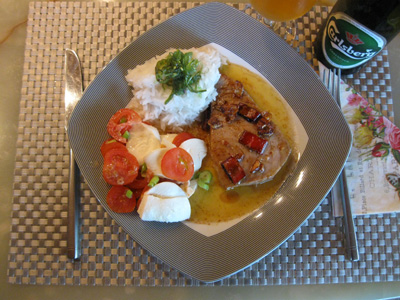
(380, 150)
(356, 100)
(392, 134)
(370, 121)
(379, 124)
(369, 110)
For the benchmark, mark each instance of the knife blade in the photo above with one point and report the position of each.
(72, 94)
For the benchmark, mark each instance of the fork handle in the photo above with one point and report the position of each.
(73, 227)
(351, 239)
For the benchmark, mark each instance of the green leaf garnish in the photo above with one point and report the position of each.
(179, 71)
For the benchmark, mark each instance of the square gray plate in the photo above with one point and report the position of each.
(213, 258)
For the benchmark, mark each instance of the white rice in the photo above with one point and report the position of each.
(149, 95)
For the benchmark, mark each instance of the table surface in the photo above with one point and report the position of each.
(12, 42)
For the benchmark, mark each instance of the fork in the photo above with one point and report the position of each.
(332, 82)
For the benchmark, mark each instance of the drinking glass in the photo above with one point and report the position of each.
(279, 15)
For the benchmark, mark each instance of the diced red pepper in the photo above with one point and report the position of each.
(253, 142)
(233, 169)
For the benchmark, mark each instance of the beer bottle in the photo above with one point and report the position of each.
(355, 31)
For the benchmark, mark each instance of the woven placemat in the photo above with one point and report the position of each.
(98, 31)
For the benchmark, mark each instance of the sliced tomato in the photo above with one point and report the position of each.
(177, 164)
(121, 199)
(140, 182)
(121, 122)
(137, 194)
(181, 137)
(120, 167)
(109, 144)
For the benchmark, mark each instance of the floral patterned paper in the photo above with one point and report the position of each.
(373, 167)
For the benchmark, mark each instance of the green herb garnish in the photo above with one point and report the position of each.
(179, 71)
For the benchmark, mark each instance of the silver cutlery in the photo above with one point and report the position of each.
(331, 79)
(73, 93)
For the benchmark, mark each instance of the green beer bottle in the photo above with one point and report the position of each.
(355, 31)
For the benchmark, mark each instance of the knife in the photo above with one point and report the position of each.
(340, 188)
(73, 92)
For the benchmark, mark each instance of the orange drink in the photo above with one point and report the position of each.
(282, 10)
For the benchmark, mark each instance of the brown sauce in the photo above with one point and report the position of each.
(219, 205)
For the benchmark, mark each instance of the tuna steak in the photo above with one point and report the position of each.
(246, 147)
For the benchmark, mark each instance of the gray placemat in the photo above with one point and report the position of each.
(98, 31)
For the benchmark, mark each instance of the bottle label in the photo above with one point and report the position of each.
(347, 44)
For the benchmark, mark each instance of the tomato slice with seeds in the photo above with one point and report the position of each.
(121, 199)
(120, 167)
(177, 164)
(141, 182)
(181, 137)
(121, 122)
(109, 144)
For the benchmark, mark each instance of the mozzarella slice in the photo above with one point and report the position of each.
(143, 139)
(153, 161)
(165, 202)
(166, 190)
(189, 187)
(167, 139)
(197, 149)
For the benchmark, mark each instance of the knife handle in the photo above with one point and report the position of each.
(74, 226)
(351, 239)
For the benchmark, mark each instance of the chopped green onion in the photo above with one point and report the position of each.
(204, 179)
(111, 141)
(143, 170)
(205, 176)
(123, 120)
(154, 181)
(126, 134)
(129, 194)
(203, 185)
